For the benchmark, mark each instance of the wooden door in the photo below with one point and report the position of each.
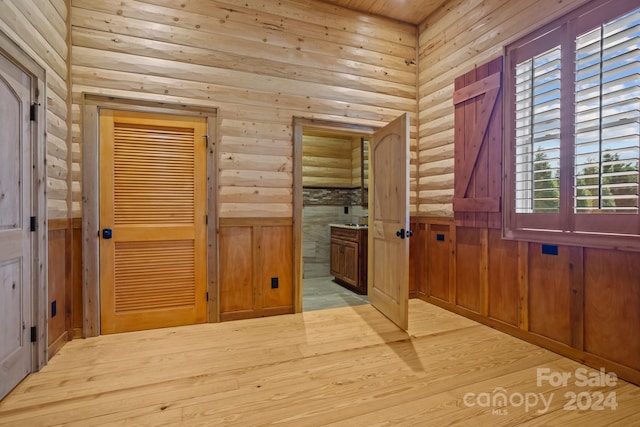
(15, 231)
(153, 221)
(388, 285)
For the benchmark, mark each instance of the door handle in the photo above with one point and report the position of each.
(107, 233)
(402, 233)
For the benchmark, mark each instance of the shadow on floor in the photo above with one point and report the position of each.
(321, 293)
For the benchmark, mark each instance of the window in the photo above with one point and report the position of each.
(572, 121)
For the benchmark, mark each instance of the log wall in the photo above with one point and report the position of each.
(327, 161)
(260, 63)
(39, 27)
(452, 41)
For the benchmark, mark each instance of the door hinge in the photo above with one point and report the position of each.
(206, 140)
(33, 112)
(207, 296)
(33, 223)
(34, 334)
(206, 219)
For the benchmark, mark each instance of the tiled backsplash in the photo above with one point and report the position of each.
(331, 196)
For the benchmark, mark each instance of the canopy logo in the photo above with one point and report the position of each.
(500, 400)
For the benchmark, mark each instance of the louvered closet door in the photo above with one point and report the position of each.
(152, 198)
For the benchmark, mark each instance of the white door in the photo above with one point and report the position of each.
(388, 281)
(15, 233)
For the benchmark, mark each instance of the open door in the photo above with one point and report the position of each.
(389, 221)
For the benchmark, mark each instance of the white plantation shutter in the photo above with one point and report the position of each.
(537, 129)
(573, 122)
(607, 120)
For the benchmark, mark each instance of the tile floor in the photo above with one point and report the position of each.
(321, 293)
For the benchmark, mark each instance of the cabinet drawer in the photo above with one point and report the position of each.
(344, 234)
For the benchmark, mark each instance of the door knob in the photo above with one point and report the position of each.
(107, 233)
(402, 233)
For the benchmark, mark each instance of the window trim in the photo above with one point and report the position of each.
(564, 227)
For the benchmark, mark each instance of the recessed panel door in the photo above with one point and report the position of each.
(15, 233)
(388, 281)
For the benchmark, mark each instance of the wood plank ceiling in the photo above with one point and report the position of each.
(411, 11)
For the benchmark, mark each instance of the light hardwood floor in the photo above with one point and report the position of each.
(344, 366)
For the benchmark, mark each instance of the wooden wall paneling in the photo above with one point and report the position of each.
(438, 248)
(550, 293)
(612, 305)
(469, 249)
(415, 258)
(523, 285)
(59, 285)
(504, 289)
(275, 262)
(576, 267)
(76, 269)
(484, 268)
(237, 269)
(252, 252)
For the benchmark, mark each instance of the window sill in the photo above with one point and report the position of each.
(622, 242)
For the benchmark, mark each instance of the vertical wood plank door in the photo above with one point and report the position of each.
(388, 282)
(15, 235)
(153, 270)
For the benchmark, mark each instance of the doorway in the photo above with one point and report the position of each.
(23, 240)
(387, 280)
(334, 218)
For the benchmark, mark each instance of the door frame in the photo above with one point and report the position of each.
(91, 105)
(299, 124)
(39, 239)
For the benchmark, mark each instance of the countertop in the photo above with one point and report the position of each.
(350, 226)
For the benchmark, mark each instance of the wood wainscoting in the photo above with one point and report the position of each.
(64, 282)
(583, 303)
(60, 293)
(256, 267)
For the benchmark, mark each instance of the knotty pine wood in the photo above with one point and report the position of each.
(413, 12)
(452, 41)
(260, 63)
(39, 28)
(348, 366)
